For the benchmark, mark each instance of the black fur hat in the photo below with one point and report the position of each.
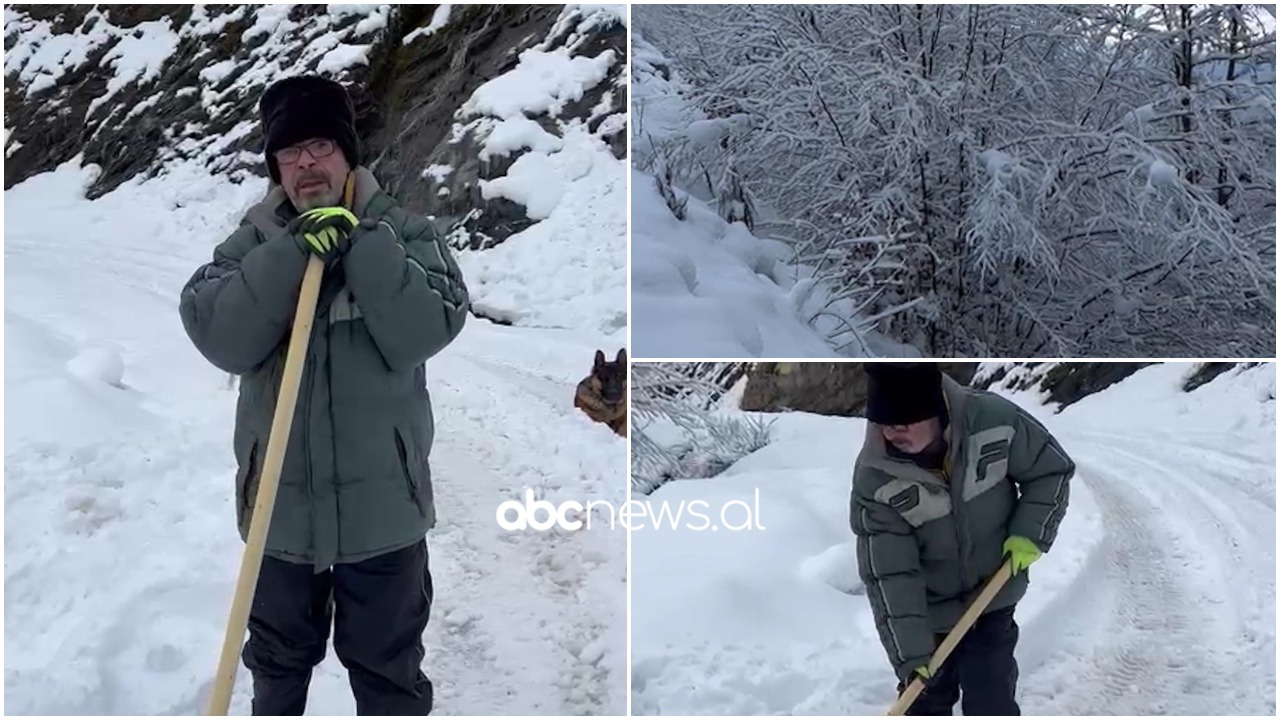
(307, 106)
(904, 393)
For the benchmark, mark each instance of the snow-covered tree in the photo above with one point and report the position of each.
(1002, 180)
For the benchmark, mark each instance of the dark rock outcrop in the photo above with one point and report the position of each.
(824, 388)
(200, 103)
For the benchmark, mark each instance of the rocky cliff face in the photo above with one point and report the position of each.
(821, 387)
(841, 388)
(134, 87)
(1066, 383)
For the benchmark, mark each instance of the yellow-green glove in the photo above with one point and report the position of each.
(325, 232)
(1021, 551)
(922, 673)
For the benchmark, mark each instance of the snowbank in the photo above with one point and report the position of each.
(704, 288)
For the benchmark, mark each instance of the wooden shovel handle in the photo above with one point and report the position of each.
(953, 638)
(281, 424)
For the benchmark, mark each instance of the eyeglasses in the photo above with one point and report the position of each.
(316, 149)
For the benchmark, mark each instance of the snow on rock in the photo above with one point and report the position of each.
(569, 270)
(102, 365)
(439, 18)
(40, 57)
(342, 57)
(201, 23)
(537, 180)
(518, 133)
(1165, 561)
(542, 82)
(218, 71)
(372, 17)
(437, 172)
(660, 111)
(270, 18)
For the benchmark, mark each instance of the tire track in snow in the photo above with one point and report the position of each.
(1162, 620)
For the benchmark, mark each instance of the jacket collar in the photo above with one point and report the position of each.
(275, 210)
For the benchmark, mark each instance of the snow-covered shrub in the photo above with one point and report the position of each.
(679, 427)
(676, 201)
(1043, 179)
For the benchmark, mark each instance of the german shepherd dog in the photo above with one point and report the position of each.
(603, 394)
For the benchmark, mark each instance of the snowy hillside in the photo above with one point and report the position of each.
(704, 288)
(704, 283)
(1158, 597)
(524, 171)
(120, 537)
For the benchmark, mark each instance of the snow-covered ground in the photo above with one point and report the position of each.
(120, 539)
(701, 287)
(1158, 598)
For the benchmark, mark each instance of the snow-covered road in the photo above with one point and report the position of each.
(120, 541)
(1175, 611)
(1159, 597)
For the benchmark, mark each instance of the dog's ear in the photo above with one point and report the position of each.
(622, 357)
(599, 359)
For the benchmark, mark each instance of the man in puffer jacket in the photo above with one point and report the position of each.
(949, 482)
(355, 500)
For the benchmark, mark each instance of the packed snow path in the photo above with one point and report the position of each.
(120, 542)
(1175, 611)
(1159, 597)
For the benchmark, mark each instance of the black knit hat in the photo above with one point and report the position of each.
(306, 106)
(903, 393)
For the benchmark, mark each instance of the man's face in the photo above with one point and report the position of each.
(913, 438)
(310, 181)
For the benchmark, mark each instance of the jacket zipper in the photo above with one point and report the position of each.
(306, 435)
(333, 436)
(957, 514)
(957, 511)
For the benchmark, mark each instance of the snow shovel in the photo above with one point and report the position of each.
(281, 424)
(953, 638)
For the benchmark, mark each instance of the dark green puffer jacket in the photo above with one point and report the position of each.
(355, 482)
(926, 545)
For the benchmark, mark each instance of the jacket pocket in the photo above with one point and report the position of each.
(407, 470)
(247, 488)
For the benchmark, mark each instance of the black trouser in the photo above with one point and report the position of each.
(382, 607)
(981, 672)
